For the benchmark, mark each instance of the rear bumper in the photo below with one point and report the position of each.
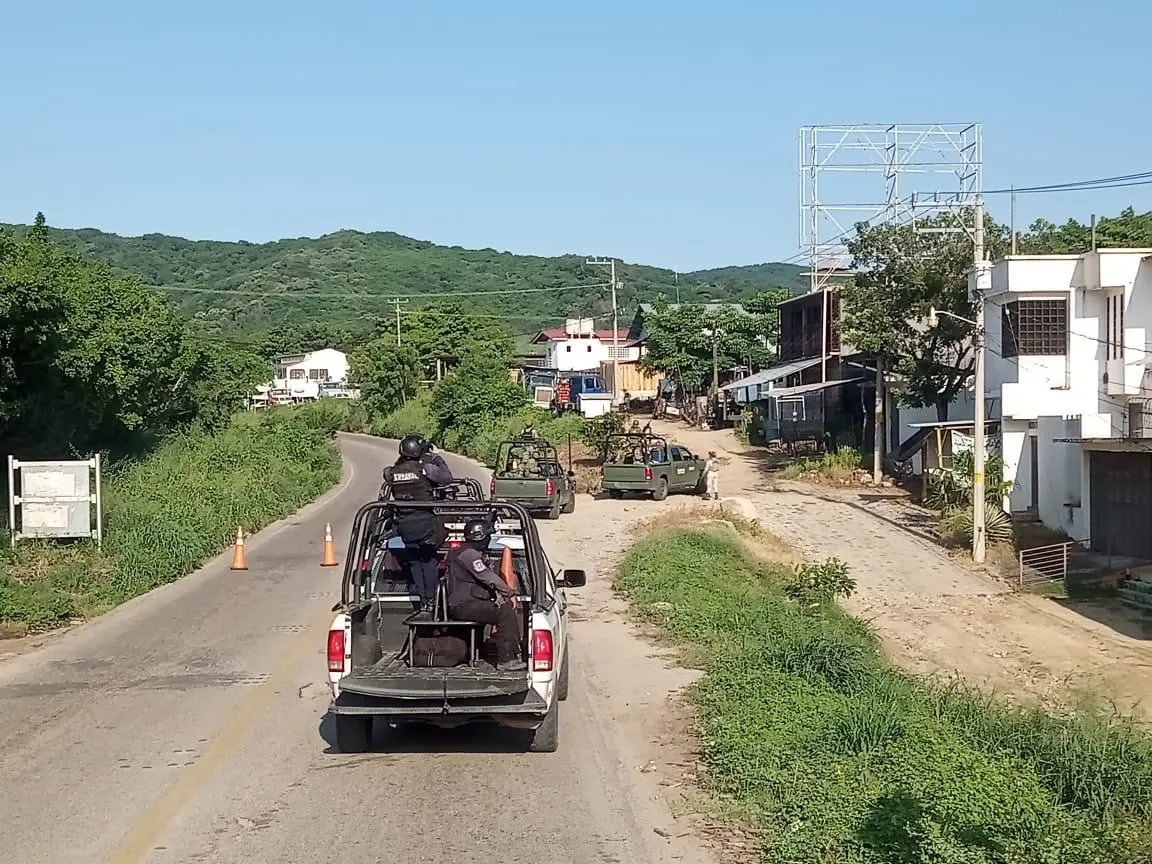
(627, 485)
(528, 503)
(521, 707)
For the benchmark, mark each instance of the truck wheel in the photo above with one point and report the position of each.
(562, 681)
(554, 510)
(545, 737)
(571, 505)
(661, 489)
(353, 733)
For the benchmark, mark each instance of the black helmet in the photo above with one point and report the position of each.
(412, 446)
(477, 533)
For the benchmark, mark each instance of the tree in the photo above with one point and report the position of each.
(480, 390)
(388, 375)
(681, 337)
(448, 332)
(1128, 230)
(94, 360)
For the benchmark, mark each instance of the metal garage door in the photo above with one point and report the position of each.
(1120, 485)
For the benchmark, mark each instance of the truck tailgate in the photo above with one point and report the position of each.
(394, 679)
(517, 490)
(625, 475)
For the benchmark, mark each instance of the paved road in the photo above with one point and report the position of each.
(189, 726)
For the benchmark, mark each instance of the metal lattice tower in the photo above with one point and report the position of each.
(928, 169)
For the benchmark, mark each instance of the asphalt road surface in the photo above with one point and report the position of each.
(190, 725)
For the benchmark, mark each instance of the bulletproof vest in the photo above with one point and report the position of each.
(409, 482)
(462, 585)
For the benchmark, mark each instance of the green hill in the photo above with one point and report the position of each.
(346, 280)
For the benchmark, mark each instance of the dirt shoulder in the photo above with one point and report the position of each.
(933, 614)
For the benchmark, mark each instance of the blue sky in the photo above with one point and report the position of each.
(654, 131)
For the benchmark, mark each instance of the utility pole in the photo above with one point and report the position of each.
(398, 303)
(611, 262)
(715, 361)
(983, 272)
(878, 424)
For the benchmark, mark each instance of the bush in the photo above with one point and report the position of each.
(840, 758)
(836, 467)
(169, 512)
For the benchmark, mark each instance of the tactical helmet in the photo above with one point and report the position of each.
(412, 446)
(477, 533)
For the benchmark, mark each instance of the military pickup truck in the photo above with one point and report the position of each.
(528, 473)
(648, 464)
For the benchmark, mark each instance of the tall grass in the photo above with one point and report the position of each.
(835, 467)
(843, 759)
(167, 513)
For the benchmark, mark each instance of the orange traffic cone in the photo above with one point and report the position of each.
(239, 562)
(329, 559)
(508, 573)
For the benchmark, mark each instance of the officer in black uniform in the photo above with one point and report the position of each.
(477, 593)
(415, 475)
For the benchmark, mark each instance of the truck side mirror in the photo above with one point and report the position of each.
(573, 578)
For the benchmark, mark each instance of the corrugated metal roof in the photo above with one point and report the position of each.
(775, 373)
(811, 388)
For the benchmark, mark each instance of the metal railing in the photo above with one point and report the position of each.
(1045, 563)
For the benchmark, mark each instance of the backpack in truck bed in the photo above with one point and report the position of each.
(443, 649)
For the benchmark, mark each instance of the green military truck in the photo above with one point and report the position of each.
(528, 473)
(648, 464)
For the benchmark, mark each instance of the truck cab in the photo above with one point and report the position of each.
(373, 672)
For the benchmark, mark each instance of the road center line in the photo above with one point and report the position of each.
(148, 829)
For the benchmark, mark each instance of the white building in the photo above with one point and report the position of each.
(301, 375)
(1069, 347)
(576, 347)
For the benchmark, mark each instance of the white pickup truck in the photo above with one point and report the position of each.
(370, 660)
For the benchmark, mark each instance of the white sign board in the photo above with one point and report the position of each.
(56, 499)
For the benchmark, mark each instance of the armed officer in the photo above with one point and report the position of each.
(477, 593)
(415, 475)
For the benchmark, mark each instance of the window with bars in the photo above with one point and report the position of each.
(1034, 328)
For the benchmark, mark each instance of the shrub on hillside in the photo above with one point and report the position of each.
(167, 513)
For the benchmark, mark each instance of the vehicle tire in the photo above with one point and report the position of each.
(562, 681)
(571, 505)
(545, 737)
(554, 511)
(616, 493)
(353, 733)
(661, 489)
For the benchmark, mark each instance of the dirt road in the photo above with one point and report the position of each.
(189, 726)
(933, 614)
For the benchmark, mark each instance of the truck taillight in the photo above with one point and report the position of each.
(549, 488)
(647, 473)
(492, 488)
(335, 650)
(541, 650)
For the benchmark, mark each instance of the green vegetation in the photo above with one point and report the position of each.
(838, 758)
(683, 340)
(838, 467)
(95, 361)
(301, 294)
(168, 512)
(950, 493)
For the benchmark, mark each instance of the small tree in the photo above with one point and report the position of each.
(388, 375)
(480, 390)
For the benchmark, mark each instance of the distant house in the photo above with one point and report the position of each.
(576, 347)
(304, 376)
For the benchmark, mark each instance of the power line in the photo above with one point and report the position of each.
(288, 295)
